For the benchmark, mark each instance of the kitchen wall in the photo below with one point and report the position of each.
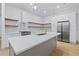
(72, 18)
(14, 12)
(0, 32)
(67, 14)
(0, 9)
(77, 23)
(0, 26)
(22, 15)
(0, 18)
(29, 17)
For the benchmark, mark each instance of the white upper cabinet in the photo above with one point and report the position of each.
(12, 12)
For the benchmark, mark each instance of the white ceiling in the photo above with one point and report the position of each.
(50, 8)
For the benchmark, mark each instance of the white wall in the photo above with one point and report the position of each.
(71, 10)
(22, 15)
(77, 23)
(63, 13)
(14, 12)
(4, 42)
(0, 27)
(28, 17)
(0, 20)
(0, 31)
(71, 17)
(0, 9)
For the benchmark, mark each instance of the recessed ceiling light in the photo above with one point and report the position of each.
(44, 11)
(58, 6)
(53, 17)
(35, 7)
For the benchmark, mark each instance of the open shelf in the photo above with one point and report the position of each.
(39, 25)
(11, 25)
(11, 19)
(35, 26)
(11, 22)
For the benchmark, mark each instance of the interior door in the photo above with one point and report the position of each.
(65, 31)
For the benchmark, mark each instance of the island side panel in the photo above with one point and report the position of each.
(43, 49)
(11, 51)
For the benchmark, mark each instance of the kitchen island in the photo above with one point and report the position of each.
(33, 45)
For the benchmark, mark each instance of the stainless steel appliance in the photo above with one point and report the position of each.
(25, 33)
(63, 27)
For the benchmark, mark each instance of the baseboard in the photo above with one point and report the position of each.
(73, 42)
(4, 48)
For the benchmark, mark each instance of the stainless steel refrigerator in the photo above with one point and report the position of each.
(63, 27)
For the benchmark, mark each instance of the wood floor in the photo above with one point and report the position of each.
(66, 49)
(63, 49)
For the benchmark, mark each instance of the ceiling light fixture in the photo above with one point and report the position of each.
(44, 11)
(35, 7)
(53, 17)
(58, 6)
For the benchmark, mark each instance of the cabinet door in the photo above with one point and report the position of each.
(12, 12)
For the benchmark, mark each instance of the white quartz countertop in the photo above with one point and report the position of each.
(23, 43)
